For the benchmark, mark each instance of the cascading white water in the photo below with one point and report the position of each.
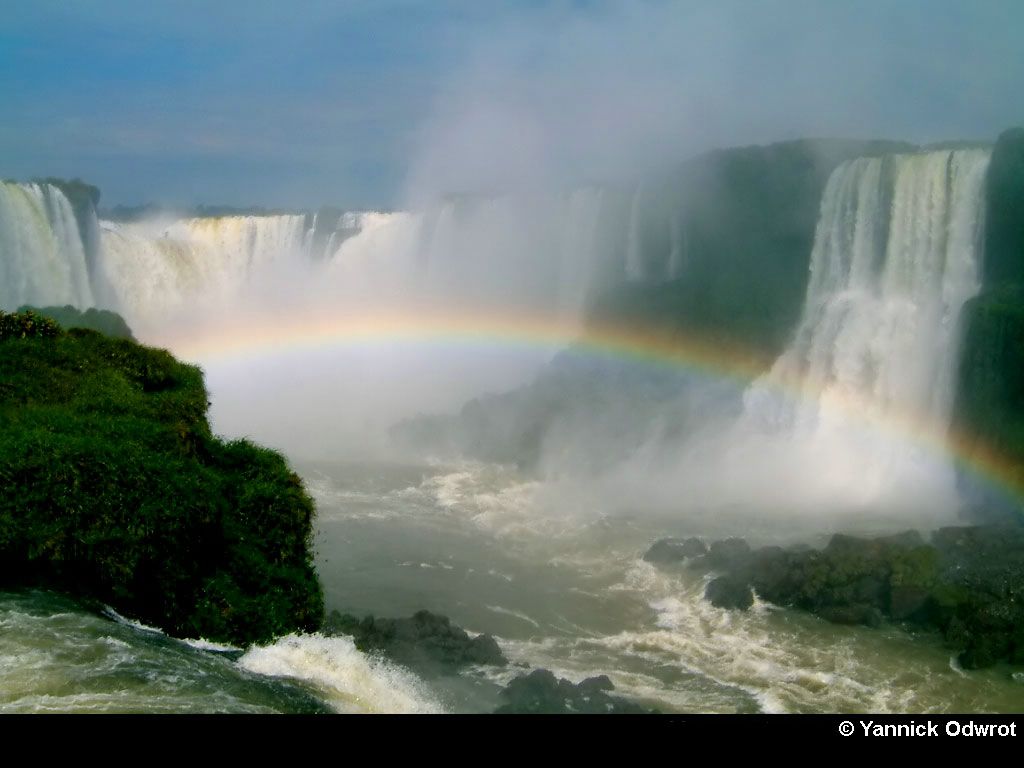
(540, 253)
(850, 422)
(42, 258)
(153, 269)
(895, 257)
(245, 244)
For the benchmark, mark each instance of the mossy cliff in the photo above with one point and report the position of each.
(990, 400)
(115, 489)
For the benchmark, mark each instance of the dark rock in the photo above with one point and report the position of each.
(728, 554)
(595, 684)
(857, 613)
(674, 550)
(426, 642)
(540, 692)
(729, 592)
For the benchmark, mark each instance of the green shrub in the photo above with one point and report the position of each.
(115, 489)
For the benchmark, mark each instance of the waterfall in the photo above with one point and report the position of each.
(544, 252)
(528, 253)
(154, 268)
(896, 255)
(42, 257)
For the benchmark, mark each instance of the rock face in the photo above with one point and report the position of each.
(967, 583)
(1004, 211)
(989, 410)
(114, 489)
(541, 693)
(426, 642)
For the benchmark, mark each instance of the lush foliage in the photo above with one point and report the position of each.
(27, 325)
(115, 489)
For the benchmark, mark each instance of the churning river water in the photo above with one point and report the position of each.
(558, 585)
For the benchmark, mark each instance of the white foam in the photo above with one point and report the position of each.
(349, 680)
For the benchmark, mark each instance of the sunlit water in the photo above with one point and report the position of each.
(561, 587)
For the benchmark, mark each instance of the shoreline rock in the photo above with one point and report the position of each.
(965, 582)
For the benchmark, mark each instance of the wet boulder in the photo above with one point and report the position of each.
(666, 551)
(729, 592)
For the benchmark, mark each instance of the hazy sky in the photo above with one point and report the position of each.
(374, 103)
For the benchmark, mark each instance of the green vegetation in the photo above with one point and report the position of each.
(116, 490)
(102, 320)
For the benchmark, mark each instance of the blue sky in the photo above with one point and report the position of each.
(378, 103)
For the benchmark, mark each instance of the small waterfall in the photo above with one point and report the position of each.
(42, 257)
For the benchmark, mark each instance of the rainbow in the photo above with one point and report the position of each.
(265, 335)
